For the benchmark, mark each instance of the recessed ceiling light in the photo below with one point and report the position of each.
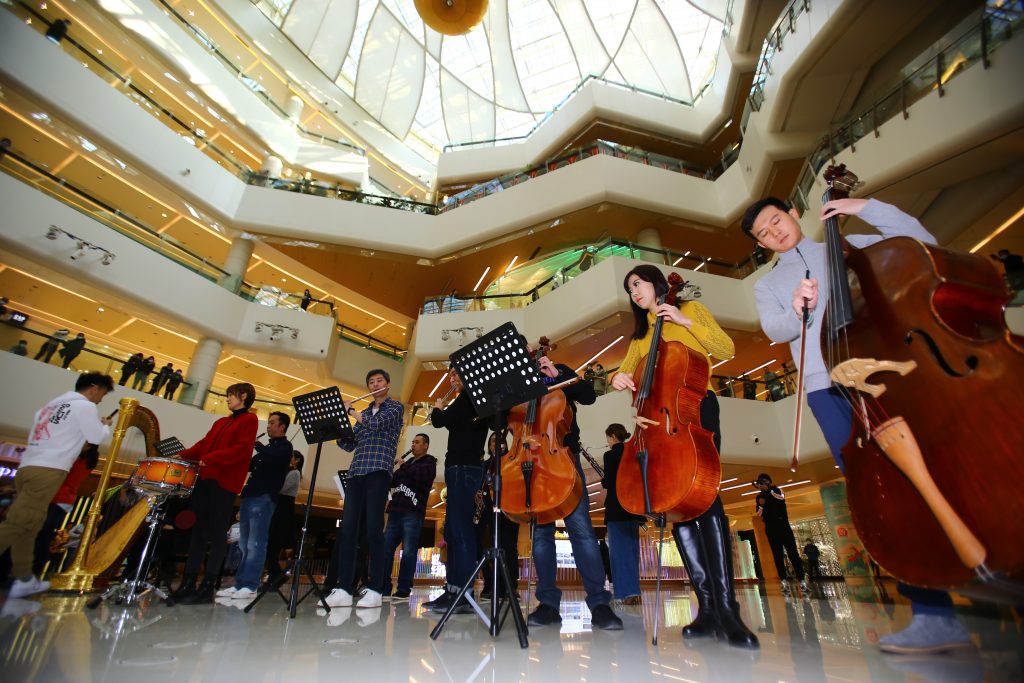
(100, 309)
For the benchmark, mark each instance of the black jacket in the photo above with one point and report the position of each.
(613, 510)
(466, 434)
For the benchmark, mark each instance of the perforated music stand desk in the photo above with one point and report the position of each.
(498, 374)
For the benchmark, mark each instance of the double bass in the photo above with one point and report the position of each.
(933, 463)
(540, 482)
(672, 467)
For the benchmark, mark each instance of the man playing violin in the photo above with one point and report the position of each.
(585, 549)
(781, 296)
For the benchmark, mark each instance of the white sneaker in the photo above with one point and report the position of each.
(227, 592)
(244, 594)
(29, 586)
(804, 587)
(339, 597)
(369, 599)
(785, 588)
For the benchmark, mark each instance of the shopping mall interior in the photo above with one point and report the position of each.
(285, 193)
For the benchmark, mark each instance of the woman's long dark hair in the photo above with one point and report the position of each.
(647, 273)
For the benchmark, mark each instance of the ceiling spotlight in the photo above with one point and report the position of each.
(108, 258)
(479, 332)
(53, 232)
(295, 334)
(80, 253)
(276, 333)
(259, 327)
(445, 335)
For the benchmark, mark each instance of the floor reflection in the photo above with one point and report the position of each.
(827, 636)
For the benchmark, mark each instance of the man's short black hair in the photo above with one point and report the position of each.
(94, 379)
(752, 212)
(378, 371)
(283, 418)
(425, 437)
(764, 477)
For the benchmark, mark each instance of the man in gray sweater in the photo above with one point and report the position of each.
(780, 297)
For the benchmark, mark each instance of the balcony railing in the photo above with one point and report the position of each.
(974, 46)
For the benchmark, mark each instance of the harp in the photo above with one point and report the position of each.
(99, 554)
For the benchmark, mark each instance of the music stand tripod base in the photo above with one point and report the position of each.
(498, 374)
(323, 418)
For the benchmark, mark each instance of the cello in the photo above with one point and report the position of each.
(933, 462)
(540, 482)
(672, 467)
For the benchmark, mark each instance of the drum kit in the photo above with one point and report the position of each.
(159, 479)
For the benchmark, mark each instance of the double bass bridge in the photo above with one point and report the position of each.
(854, 373)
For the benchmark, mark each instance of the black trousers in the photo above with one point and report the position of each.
(282, 533)
(366, 497)
(214, 508)
(781, 539)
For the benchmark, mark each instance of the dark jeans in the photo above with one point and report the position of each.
(835, 417)
(213, 507)
(624, 555)
(463, 481)
(584, 550)
(403, 529)
(366, 496)
(781, 540)
(46, 351)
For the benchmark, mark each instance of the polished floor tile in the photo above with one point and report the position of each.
(829, 636)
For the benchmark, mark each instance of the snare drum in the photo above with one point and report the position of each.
(165, 476)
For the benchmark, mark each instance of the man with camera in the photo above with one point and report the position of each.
(771, 508)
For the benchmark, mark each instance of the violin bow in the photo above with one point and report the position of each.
(800, 382)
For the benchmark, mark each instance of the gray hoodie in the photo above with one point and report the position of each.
(774, 292)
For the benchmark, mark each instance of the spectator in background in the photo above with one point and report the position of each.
(5, 147)
(3, 305)
(58, 30)
(142, 374)
(63, 502)
(307, 299)
(173, 382)
(72, 348)
(161, 377)
(812, 554)
(129, 368)
(51, 345)
(725, 387)
(282, 526)
(749, 390)
(1013, 264)
(20, 349)
(776, 392)
(600, 379)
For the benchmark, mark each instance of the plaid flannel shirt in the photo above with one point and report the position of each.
(376, 442)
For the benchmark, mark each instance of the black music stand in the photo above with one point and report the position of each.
(323, 418)
(499, 374)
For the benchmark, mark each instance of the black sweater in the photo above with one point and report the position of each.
(466, 434)
(581, 392)
(268, 468)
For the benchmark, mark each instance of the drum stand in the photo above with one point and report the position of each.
(128, 592)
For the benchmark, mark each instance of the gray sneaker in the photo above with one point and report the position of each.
(927, 634)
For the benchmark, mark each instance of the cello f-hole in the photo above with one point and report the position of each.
(971, 362)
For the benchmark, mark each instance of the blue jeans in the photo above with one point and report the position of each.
(254, 527)
(403, 528)
(624, 551)
(835, 417)
(463, 481)
(584, 549)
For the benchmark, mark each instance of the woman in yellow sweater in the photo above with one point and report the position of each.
(704, 542)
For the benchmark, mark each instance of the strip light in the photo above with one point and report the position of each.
(598, 354)
(784, 486)
(514, 259)
(486, 270)
(762, 365)
(434, 390)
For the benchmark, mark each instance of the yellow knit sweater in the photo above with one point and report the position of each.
(705, 336)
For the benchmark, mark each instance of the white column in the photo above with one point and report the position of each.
(293, 107)
(271, 168)
(201, 370)
(650, 238)
(236, 264)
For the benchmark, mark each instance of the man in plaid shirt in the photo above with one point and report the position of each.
(369, 477)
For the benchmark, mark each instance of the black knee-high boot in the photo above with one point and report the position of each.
(691, 548)
(714, 530)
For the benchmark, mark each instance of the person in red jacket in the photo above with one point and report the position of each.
(223, 456)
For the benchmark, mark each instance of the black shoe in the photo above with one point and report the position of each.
(486, 594)
(691, 549)
(202, 595)
(464, 607)
(545, 615)
(442, 603)
(604, 618)
(186, 588)
(400, 595)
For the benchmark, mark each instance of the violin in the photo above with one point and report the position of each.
(933, 462)
(540, 482)
(672, 467)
